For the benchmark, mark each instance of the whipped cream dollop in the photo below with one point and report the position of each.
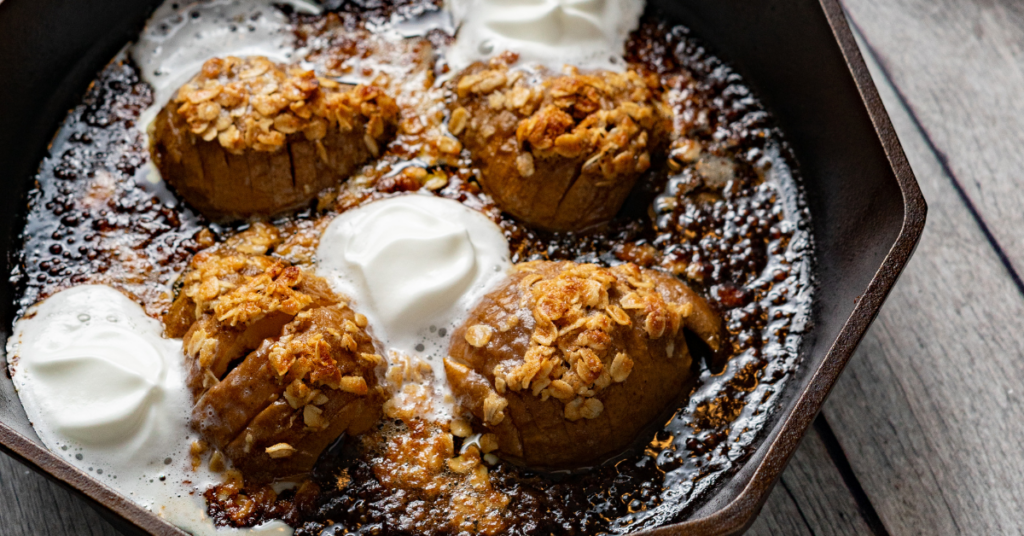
(105, 390)
(95, 369)
(414, 265)
(589, 34)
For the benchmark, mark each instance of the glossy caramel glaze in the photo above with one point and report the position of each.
(724, 213)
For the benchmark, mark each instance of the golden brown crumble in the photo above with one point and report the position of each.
(216, 272)
(239, 288)
(593, 356)
(280, 450)
(253, 103)
(479, 335)
(217, 462)
(559, 151)
(258, 239)
(279, 365)
(246, 504)
(196, 451)
(304, 352)
(305, 367)
(300, 240)
(271, 291)
(408, 381)
(461, 428)
(571, 355)
(230, 300)
(606, 117)
(475, 506)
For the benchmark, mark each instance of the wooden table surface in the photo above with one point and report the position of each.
(923, 433)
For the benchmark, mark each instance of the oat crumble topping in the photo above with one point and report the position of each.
(607, 118)
(571, 355)
(253, 103)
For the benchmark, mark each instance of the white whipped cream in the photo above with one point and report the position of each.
(93, 369)
(414, 265)
(590, 34)
(106, 391)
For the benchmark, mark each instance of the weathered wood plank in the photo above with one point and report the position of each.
(811, 498)
(928, 410)
(817, 488)
(30, 505)
(780, 515)
(960, 65)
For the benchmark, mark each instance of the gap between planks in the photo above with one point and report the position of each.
(814, 497)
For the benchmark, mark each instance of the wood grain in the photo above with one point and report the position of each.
(825, 502)
(780, 515)
(811, 498)
(30, 505)
(929, 409)
(960, 65)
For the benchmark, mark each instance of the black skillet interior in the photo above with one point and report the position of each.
(50, 50)
(787, 52)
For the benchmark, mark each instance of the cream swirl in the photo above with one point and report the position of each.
(106, 391)
(93, 367)
(414, 265)
(553, 33)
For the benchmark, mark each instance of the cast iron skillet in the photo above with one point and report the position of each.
(798, 55)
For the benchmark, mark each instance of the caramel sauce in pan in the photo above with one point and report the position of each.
(93, 217)
(729, 220)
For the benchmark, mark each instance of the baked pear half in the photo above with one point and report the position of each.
(566, 363)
